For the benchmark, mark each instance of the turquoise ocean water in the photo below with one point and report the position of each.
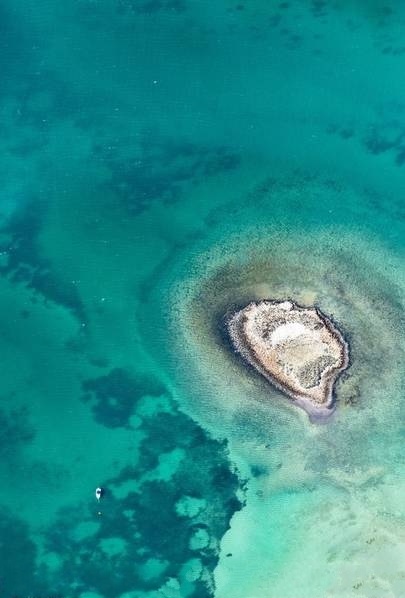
(163, 162)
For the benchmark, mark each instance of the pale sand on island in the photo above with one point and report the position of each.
(297, 349)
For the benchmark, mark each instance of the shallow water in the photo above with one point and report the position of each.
(164, 162)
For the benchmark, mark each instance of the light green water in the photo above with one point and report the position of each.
(162, 163)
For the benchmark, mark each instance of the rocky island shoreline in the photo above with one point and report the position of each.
(297, 349)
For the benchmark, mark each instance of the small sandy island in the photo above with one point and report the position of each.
(297, 349)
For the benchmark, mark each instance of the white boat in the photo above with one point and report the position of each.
(99, 493)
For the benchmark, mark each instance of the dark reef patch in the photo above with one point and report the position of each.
(381, 137)
(25, 264)
(17, 558)
(15, 432)
(160, 171)
(147, 525)
(258, 470)
(319, 8)
(114, 396)
(152, 6)
(387, 137)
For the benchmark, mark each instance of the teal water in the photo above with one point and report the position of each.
(164, 161)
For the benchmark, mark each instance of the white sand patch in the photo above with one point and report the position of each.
(287, 332)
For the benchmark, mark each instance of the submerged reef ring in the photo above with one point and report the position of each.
(297, 349)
